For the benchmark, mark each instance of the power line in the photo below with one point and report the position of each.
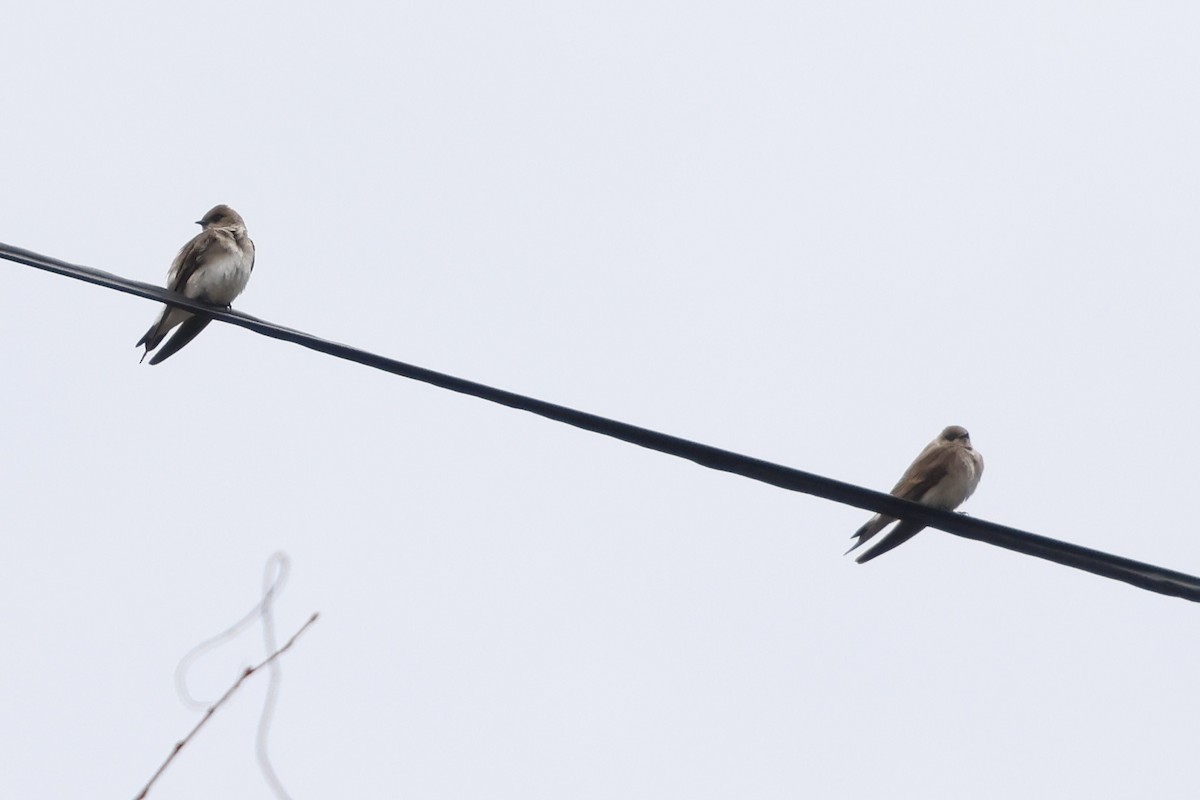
(1142, 575)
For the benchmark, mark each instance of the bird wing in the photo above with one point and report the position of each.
(920, 476)
(930, 468)
(192, 256)
(925, 472)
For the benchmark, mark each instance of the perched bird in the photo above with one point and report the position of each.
(943, 476)
(214, 268)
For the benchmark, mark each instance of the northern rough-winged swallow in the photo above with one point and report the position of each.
(943, 476)
(212, 268)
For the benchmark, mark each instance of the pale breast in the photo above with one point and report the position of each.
(223, 275)
(960, 480)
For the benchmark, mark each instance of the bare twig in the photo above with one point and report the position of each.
(207, 714)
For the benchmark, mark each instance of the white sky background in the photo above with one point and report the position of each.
(814, 234)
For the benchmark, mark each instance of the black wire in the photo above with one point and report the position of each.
(1145, 576)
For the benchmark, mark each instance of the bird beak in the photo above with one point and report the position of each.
(200, 222)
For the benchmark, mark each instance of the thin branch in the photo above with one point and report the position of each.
(246, 674)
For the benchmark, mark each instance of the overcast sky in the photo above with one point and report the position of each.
(811, 233)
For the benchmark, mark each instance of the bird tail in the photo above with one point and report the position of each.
(168, 318)
(896, 537)
(873, 526)
(187, 331)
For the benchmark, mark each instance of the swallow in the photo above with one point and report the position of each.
(943, 476)
(213, 268)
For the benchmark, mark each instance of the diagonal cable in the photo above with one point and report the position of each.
(1142, 575)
